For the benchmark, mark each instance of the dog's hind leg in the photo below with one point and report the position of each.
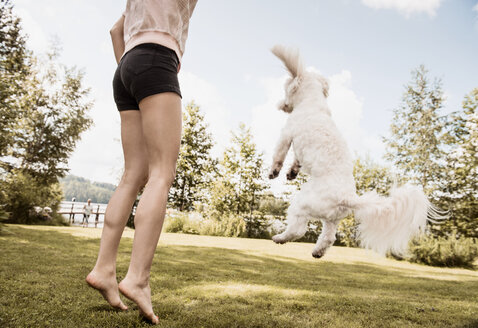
(326, 238)
(297, 219)
(294, 170)
(296, 228)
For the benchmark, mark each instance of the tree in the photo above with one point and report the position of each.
(415, 145)
(14, 67)
(240, 176)
(55, 107)
(271, 205)
(83, 189)
(460, 192)
(195, 164)
(43, 109)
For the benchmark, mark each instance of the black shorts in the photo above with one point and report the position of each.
(145, 70)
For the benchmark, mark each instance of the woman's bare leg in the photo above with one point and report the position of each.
(161, 115)
(103, 275)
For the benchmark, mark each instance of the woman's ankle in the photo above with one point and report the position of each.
(104, 271)
(138, 280)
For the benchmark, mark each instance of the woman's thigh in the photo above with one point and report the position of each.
(134, 147)
(161, 122)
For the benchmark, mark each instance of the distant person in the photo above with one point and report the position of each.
(148, 42)
(87, 209)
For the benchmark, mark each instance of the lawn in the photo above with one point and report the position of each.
(201, 281)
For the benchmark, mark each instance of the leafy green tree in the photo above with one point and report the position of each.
(43, 111)
(223, 199)
(461, 187)
(195, 164)
(415, 145)
(14, 67)
(271, 205)
(55, 114)
(241, 175)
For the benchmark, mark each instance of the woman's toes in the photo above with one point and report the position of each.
(155, 319)
(141, 296)
(108, 288)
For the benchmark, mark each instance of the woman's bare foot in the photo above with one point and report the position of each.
(108, 287)
(141, 295)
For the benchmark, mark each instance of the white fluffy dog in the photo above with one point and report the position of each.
(385, 223)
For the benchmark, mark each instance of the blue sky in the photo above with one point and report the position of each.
(366, 48)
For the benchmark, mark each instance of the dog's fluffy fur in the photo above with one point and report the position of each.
(385, 223)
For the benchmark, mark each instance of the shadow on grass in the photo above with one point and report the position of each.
(103, 308)
(44, 272)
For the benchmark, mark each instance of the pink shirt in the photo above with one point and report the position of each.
(165, 22)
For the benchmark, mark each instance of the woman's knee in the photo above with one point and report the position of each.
(136, 179)
(164, 177)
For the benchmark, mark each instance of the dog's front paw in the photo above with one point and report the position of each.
(274, 172)
(292, 174)
(279, 239)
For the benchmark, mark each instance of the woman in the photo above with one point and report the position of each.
(148, 42)
(87, 209)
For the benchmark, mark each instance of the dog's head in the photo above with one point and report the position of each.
(300, 82)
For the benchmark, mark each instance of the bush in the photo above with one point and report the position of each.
(22, 193)
(257, 226)
(174, 223)
(182, 222)
(227, 226)
(347, 232)
(3, 217)
(450, 251)
(194, 223)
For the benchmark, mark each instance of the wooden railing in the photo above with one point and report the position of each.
(71, 213)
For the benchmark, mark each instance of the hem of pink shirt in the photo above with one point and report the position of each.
(158, 37)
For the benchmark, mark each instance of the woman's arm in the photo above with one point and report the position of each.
(117, 36)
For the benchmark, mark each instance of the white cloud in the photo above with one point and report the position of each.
(215, 109)
(406, 7)
(347, 112)
(267, 122)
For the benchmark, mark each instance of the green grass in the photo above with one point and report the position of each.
(230, 283)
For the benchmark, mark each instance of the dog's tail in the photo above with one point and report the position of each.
(291, 59)
(386, 224)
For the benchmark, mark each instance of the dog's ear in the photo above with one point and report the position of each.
(291, 59)
(325, 86)
(293, 86)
